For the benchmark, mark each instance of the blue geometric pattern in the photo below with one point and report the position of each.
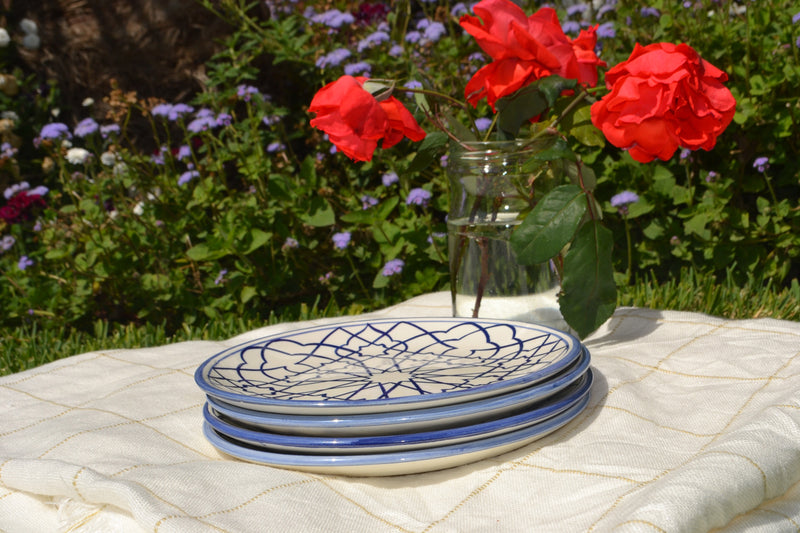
(386, 361)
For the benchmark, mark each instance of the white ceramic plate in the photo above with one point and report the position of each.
(371, 366)
(518, 420)
(410, 421)
(397, 463)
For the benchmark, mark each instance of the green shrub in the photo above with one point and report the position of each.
(245, 210)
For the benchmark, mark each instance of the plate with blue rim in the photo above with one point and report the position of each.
(519, 419)
(413, 420)
(412, 461)
(385, 365)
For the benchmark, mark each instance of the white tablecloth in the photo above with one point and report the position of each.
(693, 424)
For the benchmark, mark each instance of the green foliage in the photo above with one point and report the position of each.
(132, 238)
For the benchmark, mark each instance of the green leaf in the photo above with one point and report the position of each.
(550, 226)
(428, 150)
(532, 100)
(579, 125)
(588, 292)
(258, 238)
(320, 213)
(558, 150)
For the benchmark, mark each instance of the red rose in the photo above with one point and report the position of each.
(664, 97)
(352, 118)
(524, 49)
(400, 123)
(355, 121)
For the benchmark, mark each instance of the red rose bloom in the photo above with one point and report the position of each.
(524, 49)
(400, 123)
(355, 121)
(664, 97)
(352, 118)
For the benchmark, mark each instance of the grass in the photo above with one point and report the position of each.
(31, 346)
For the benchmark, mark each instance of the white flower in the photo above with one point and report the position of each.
(4, 37)
(78, 156)
(31, 41)
(138, 209)
(87, 102)
(10, 115)
(28, 26)
(66, 143)
(108, 159)
(120, 169)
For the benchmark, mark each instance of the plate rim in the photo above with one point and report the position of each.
(370, 422)
(407, 461)
(310, 444)
(573, 351)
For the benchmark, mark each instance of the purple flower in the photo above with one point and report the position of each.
(271, 120)
(220, 276)
(333, 58)
(187, 176)
(483, 123)
(86, 127)
(396, 50)
(290, 242)
(201, 124)
(7, 242)
(413, 36)
(412, 84)
(395, 266)
(685, 153)
(434, 32)
(389, 178)
(761, 164)
(606, 31)
(368, 201)
(275, 146)
(458, 10)
(246, 92)
(14, 189)
(55, 130)
(108, 129)
(622, 200)
(183, 152)
(570, 26)
(7, 150)
(341, 240)
(359, 68)
(576, 9)
(712, 176)
(372, 39)
(333, 18)
(649, 12)
(161, 110)
(418, 196)
(24, 262)
(178, 110)
(796, 18)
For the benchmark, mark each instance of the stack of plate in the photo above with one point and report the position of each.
(389, 397)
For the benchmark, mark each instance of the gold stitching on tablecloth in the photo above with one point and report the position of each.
(75, 483)
(643, 522)
(62, 413)
(469, 496)
(152, 367)
(746, 458)
(583, 472)
(232, 509)
(86, 519)
(698, 376)
(660, 426)
(360, 506)
(36, 372)
(701, 450)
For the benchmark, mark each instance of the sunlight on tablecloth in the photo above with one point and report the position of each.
(693, 424)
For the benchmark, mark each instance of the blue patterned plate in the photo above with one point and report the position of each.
(518, 419)
(410, 421)
(371, 366)
(397, 463)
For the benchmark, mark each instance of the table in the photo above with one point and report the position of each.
(693, 424)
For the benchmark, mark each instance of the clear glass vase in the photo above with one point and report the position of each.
(490, 194)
